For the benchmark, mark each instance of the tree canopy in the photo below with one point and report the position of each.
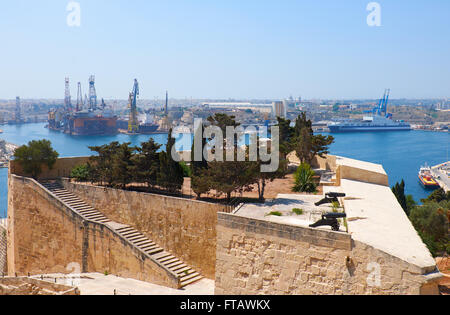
(36, 154)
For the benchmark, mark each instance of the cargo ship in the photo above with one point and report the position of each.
(426, 178)
(380, 120)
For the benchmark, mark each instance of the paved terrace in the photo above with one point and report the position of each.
(100, 284)
(373, 213)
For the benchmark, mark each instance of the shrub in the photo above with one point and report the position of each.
(304, 179)
(431, 222)
(297, 211)
(187, 171)
(275, 213)
(80, 173)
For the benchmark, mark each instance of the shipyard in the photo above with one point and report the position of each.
(88, 118)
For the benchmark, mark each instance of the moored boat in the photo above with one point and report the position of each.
(426, 178)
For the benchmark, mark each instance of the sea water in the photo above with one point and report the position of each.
(401, 153)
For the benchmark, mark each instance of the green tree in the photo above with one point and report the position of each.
(81, 173)
(146, 163)
(223, 121)
(101, 164)
(306, 144)
(431, 220)
(122, 165)
(229, 176)
(437, 196)
(399, 192)
(263, 178)
(171, 175)
(287, 136)
(304, 179)
(199, 180)
(33, 156)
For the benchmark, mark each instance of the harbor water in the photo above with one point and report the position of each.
(401, 153)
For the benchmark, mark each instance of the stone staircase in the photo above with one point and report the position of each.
(186, 274)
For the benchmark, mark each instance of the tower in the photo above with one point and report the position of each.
(18, 114)
(92, 93)
(166, 108)
(67, 100)
(79, 98)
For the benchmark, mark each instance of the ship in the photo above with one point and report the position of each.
(426, 178)
(380, 120)
(146, 125)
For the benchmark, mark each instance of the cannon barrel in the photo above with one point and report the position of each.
(334, 215)
(335, 195)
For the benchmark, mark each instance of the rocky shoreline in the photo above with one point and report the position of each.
(6, 152)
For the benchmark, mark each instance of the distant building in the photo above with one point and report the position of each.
(279, 109)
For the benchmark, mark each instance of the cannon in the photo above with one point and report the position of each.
(330, 198)
(330, 219)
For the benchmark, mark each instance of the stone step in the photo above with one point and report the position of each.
(171, 261)
(189, 275)
(124, 230)
(138, 239)
(155, 251)
(180, 267)
(166, 259)
(186, 274)
(191, 281)
(174, 264)
(182, 271)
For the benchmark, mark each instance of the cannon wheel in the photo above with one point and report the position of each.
(335, 226)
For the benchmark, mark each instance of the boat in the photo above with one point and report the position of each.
(426, 178)
(380, 120)
(369, 124)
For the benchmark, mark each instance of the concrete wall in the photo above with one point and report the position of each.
(62, 168)
(259, 257)
(45, 236)
(186, 228)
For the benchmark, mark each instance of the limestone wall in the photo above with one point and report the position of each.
(361, 175)
(45, 236)
(186, 228)
(259, 257)
(29, 286)
(62, 168)
(3, 241)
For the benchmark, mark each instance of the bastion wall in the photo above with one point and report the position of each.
(186, 228)
(261, 257)
(45, 236)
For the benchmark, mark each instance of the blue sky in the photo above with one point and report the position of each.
(226, 48)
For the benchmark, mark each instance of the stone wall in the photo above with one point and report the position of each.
(3, 246)
(45, 236)
(260, 257)
(28, 286)
(62, 168)
(361, 175)
(186, 228)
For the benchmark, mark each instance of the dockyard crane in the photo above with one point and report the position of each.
(382, 106)
(133, 123)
